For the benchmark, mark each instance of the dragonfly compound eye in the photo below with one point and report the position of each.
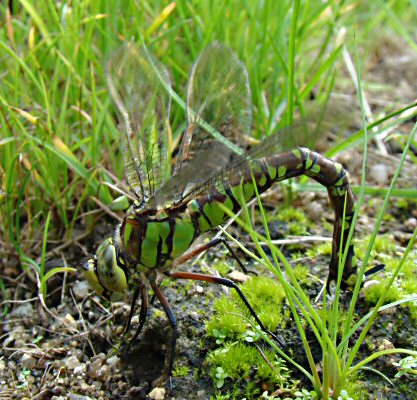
(104, 274)
(91, 275)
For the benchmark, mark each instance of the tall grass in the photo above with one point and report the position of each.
(59, 133)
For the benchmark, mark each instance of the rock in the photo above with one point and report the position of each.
(73, 396)
(371, 283)
(103, 373)
(157, 394)
(379, 173)
(72, 362)
(70, 322)
(94, 366)
(27, 361)
(385, 345)
(81, 289)
(80, 370)
(411, 223)
(238, 276)
(315, 210)
(199, 289)
(25, 310)
(113, 362)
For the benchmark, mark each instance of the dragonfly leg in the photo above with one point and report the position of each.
(132, 310)
(225, 282)
(173, 321)
(200, 249)
(143, 311)
(233, 254)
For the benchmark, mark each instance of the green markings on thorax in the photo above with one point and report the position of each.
(184, 233)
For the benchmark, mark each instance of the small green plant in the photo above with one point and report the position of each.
(220, 376)
(344, 395)
(407, 365)
(220, 335)
(180, 371)
(304, 394)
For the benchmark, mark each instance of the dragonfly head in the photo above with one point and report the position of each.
(105, 273)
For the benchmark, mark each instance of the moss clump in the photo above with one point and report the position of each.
(264, 294)
(241, 361)
(405, 284)
(238, 362)
(296, 219)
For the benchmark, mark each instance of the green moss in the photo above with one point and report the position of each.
(374, 292)
(182, 370)
(322, 249)
(384, 245)
(295, 218)
(239, 361)
(301, 274)
(222, 267)
(264, 294)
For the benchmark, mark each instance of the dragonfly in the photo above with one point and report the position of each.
(213, 172)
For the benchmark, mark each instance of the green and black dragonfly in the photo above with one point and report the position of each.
(212, 170)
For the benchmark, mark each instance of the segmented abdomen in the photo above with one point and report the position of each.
(207, 213)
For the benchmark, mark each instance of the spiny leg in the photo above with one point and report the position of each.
(132, 310)
(200, 249)
(143, 311)
(225, 282)
(173, 322)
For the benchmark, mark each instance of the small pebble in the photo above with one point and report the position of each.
(79, 370)
(157, 394)
(199, 289)
(112, 362)
(411, 223)
(73, 396)
(70, 322)
(315, 210)
(385, 345)
(379, 173)
(27, 361)
(94, 366)
(238, 276)
(72, 362)
(24, 310)
(371, 283)
(103, 373)
(81, 289)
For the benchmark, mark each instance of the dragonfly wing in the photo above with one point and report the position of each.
(140, 88)
(219, 114)
(284, 139)
(219, 99)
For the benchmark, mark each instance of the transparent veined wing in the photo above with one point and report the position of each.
(237, 169)
(219, 115)
(141, 90)
(304, 133)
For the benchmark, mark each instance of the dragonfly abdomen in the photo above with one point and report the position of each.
(208, 212)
